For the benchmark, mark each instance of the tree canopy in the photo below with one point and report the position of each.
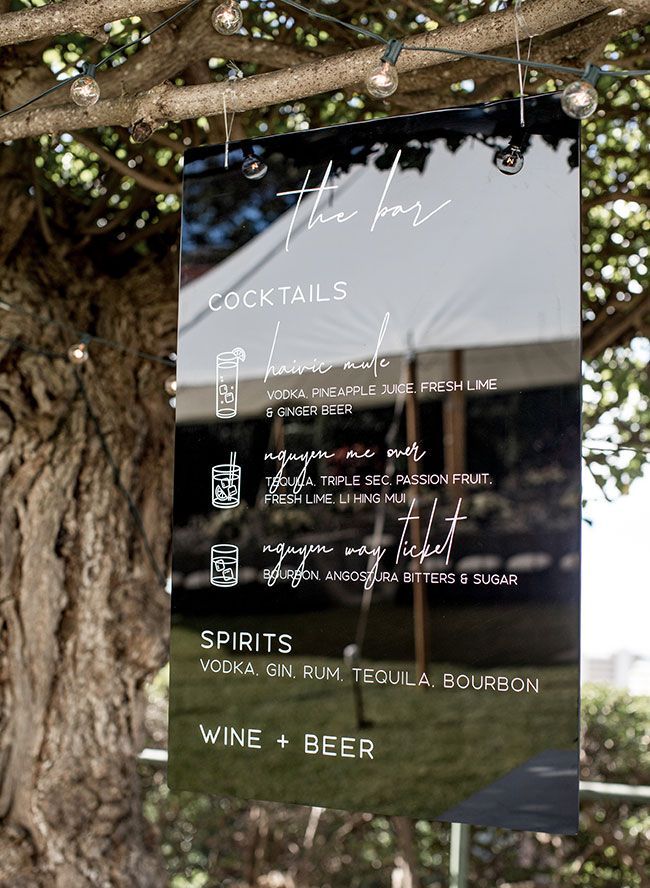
(104, 182)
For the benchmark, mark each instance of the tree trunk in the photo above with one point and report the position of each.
(83, 618)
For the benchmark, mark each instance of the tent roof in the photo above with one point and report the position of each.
(476, 275)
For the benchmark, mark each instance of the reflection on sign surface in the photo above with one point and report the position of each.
(377, 488)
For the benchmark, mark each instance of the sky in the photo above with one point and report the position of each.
(616, 571)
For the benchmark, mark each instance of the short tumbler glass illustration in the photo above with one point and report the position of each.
(226, 485)
(228, 382)
(224, 565)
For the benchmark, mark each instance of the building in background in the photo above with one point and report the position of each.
(622, 670)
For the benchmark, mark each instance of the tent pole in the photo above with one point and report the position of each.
(453, 421)
(277, 433)
(459, 855)
(420, 604)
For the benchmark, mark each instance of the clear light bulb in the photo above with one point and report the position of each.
(170, 386)
(78, 353)
(227, 18)
(253, 167)
(382, 81)
(85, 91)
(510, 160)
(579, 99)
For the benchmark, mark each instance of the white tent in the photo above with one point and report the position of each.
(476, 276)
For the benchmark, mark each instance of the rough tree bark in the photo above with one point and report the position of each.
(83, 620)
(73, 15)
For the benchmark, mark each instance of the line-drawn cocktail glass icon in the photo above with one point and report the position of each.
(224, 565)
(226, 484)
(228, 382)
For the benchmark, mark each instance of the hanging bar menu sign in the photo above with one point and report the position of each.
(377, 482)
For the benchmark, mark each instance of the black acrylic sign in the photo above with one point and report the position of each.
(377, 483)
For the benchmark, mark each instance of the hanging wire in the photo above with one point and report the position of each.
(522, 72)
(363, 32)
(227, 126)
(234, 72)
(84, 335)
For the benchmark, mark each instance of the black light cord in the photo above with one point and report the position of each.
(586, 445)
(18, 343)
(531, 63)
(39, 96)
(127, 350)
(363, 32)
(103, 61)
(115, 469)
(323, 16)
(150, 33)
(84, 336)
(546, 66)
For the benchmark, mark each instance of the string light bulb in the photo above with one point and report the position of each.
(510, 160)
(85, 89)
(253, 167)
(227, 18)
(580, 98)
(170, 386)
(382, 80)
(78, 353)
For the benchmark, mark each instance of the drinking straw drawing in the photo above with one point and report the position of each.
(226, 484)
(228, 382)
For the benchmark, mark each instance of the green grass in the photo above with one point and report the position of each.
(433, 747)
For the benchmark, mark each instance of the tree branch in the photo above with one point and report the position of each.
(151, 183)
(166, 102)
(73, 16)
(566, 48)
(152, 64)
(196, 41)
(610, 196)
(624, 323)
